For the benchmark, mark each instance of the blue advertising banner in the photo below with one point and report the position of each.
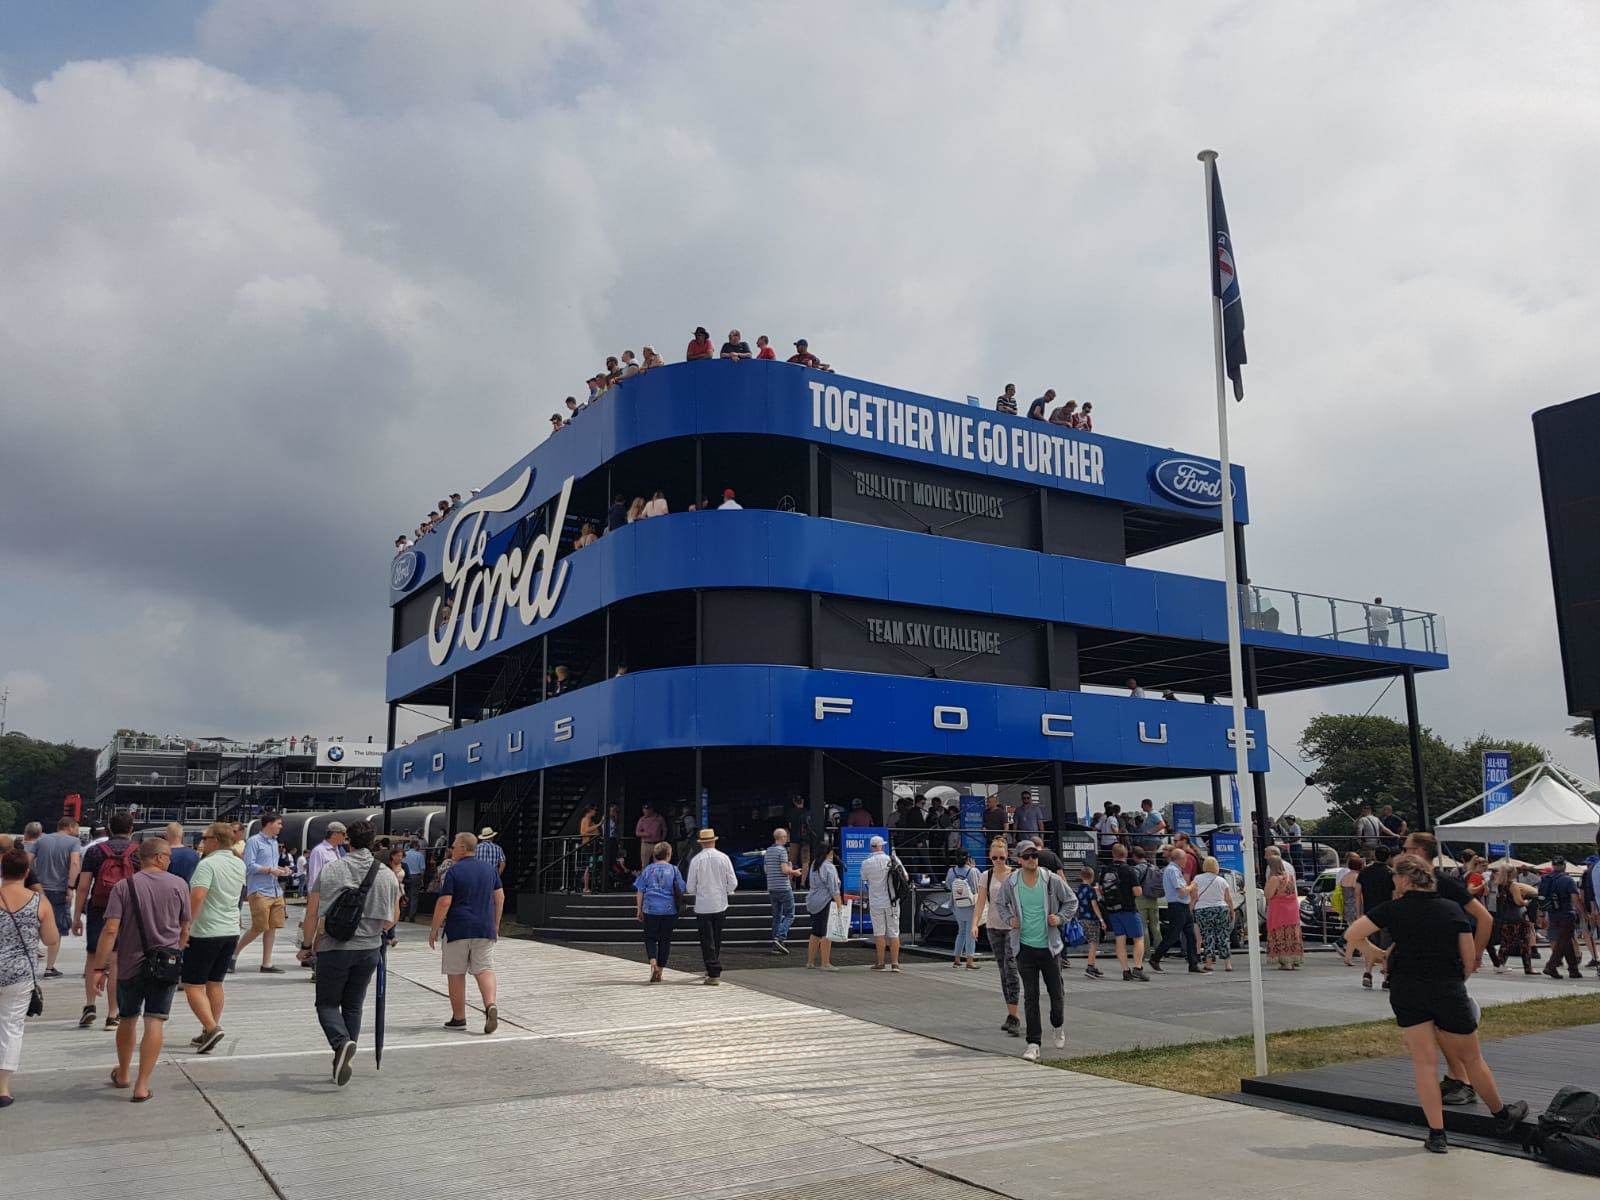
(705, 808)
(972, 826)
(855, 844)
(1228, 850)
(1183, 819)
(1233, 788)
(1496, 770)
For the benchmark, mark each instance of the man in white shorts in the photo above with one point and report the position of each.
(875, 872)
(468, 911)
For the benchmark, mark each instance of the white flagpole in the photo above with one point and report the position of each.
(1258, 1013)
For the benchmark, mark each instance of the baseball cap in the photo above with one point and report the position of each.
(802, 342)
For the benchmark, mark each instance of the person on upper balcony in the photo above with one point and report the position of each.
(700, 347)
(728, 501)
(803, 357)
(1006, 401)
(1066, 415)
(1039, 410)
(735, 349)
(572, 407)
(556, 423)
(1086, 417)
(1378, 617)
(764, 349)
(629, 366)
(1135, 690)
(652, 359)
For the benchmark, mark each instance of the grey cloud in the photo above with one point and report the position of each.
(338, 275)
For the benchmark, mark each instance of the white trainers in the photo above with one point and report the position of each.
(1060, 1038)
(1031, 1054)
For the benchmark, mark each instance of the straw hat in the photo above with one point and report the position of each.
(707, 836)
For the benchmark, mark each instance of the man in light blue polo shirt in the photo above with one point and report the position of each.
(1180, 917)
(263, 889)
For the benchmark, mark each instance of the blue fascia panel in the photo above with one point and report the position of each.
(716, 706)
(791, 551)
(777, 399)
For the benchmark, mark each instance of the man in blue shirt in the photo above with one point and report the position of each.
(489, 851)
(416, 867)
(1180, 917)
(470, 903)
(1562, 908)
(263, 890)
(184, 857)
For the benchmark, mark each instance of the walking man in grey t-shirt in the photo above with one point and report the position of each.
(56, 858)
(780, 891)
(344, 969)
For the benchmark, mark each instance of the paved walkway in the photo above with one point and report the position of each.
(965, 1007)
(597, 1085)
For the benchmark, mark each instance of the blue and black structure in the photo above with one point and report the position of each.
(911, 588)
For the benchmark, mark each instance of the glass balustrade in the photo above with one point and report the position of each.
(1363, 622)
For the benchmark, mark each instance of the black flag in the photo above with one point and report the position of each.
(1225, 287)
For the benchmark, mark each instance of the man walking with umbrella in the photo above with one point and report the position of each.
(345, 966)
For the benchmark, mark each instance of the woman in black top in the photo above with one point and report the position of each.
(1432, 954)
(1513, 931)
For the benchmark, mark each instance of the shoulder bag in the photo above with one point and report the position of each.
(36, 998)
(163, 965)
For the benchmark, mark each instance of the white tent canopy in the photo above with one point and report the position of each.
(1546, 811)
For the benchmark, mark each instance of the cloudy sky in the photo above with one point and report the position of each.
(279, 274)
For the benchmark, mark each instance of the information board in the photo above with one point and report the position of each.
(855, 845)
(1228, 850)
(972, 835)
(1183, 819)
(1496, 771)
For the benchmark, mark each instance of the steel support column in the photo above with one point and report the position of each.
(817, 800)
(1252, 697)
(1058, 801)
(1414, 733)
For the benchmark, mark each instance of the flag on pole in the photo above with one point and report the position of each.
(1225, 287)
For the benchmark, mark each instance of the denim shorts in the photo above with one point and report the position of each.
(155, 999)
(1125, 924)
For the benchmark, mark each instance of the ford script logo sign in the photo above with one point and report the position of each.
(403, 573)
(1189, 481)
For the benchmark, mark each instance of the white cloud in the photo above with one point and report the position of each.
(260, 310)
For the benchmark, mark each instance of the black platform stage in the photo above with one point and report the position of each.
(1379, 1093)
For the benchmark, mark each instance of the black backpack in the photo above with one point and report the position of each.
(343, 919)
(1572, 1111)
(899, 881)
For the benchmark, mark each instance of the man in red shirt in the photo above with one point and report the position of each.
(701, 346)
(803, 356)
(764, 349)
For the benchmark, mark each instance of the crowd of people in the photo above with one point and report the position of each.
(1044, 408)
(435, 517)
(158, 914)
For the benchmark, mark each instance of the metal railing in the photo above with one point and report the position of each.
(152, 777)
(1306, 614)
(200, 775)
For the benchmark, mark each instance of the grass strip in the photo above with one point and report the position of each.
(1205, 1068)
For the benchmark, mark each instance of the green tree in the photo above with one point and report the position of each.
(35, 776)
(1368, 760)
(8, 817)
(1584, 728)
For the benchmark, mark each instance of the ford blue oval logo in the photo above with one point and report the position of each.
(1189, 481)
(407, 566)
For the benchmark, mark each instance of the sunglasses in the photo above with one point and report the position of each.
(1028, 857)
